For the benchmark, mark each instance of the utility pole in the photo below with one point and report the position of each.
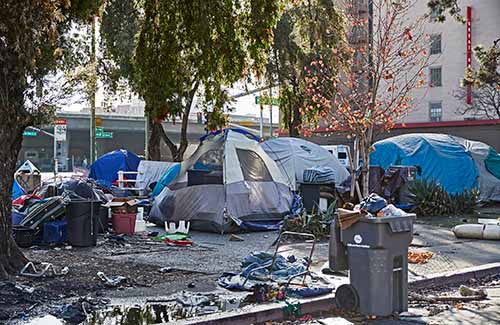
(270, 113)
(261, 125)
(146, 134)
(93, 92)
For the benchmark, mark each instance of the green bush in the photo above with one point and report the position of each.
(317, 224)
(430, 199)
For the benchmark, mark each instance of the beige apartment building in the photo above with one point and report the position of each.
(438, 101)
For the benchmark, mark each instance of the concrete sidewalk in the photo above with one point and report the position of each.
(450, 253)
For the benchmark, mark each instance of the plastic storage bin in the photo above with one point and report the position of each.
(17, 217)
(55, 232)
(24, 236)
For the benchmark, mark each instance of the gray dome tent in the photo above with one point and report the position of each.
(229, 179)
(294, 155)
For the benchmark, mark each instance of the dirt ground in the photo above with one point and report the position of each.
(51, 292)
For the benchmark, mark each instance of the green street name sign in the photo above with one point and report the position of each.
(29, 133)
(101, 134)
(267, 101)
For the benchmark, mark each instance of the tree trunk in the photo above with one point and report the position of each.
(295, 121)
(154, 152)
(183, 140)
(366, 143)
(174, 151)
(11, 257)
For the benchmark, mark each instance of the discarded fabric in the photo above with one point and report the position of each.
(178, 242)
(306, 292)
(319, 175)
(373, 203)
(283, 269)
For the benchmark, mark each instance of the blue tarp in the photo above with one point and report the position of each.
(492, 163)
(105, 168)
(441, 157)
(17, 190)
(167, 178)
(253, 136)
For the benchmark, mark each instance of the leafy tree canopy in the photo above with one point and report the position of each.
(214, 43)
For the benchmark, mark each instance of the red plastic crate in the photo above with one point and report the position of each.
(124, 223)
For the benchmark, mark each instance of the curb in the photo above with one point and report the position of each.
(454, 277)
(274, 311)
(262, 313)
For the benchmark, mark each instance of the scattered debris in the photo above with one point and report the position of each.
(172, 228)
(25, 288)
(419, 257)
(470, 292)
(47, 268)
(111, 281)
(434, 299)
(235, 238)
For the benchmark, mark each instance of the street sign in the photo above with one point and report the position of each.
(105, 135)
(101, 134)
(267, 101)
(60, 129)
(29, 133)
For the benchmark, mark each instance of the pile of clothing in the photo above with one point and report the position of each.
(284, 268)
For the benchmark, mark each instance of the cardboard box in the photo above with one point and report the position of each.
(122, 205)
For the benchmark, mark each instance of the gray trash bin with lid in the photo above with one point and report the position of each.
(377, 258)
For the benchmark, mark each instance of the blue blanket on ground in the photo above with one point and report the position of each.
(283, 269)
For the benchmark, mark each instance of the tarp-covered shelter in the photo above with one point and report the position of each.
(293, 156)
(455, 163)
(227, 181)
(105, 169)
(150, 172)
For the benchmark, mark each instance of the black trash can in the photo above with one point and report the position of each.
(310, 194)
(102, 220)
(82, 218)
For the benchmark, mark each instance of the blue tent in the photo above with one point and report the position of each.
(443, 158)
(105, 168)
(17, 190)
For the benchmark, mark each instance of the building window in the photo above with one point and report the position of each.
(435, 111)
(434, 14)
(436, 44)
(435, 74)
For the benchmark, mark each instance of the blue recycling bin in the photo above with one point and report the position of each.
(55, 232)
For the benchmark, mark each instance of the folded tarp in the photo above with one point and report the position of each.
(319, 175)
